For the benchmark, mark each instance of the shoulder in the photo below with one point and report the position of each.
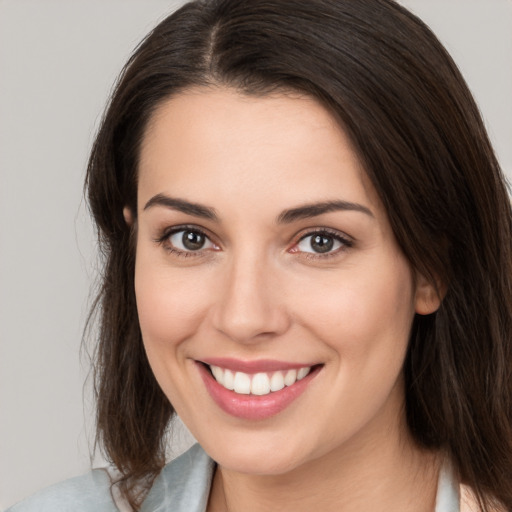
(87, 493)
(183, 485)
(469, 502)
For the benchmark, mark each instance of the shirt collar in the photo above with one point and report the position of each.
(448, 490)
(184, 485)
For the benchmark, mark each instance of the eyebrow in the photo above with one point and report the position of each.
(313, 210)
(197, 210)
(286, 217)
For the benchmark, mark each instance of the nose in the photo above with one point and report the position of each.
(250, 305)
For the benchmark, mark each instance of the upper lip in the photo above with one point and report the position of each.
(256, 366)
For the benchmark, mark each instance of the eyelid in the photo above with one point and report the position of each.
(166, 233)
(346, 242)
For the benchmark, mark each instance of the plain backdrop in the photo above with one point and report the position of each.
(58, 60)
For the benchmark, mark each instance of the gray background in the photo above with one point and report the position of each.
(58, 59)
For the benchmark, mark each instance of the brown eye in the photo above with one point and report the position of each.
(190, 240)
(322, 242)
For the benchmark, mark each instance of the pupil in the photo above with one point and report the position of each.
(192, 240)
(322, 243)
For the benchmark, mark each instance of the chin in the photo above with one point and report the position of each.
(257, 464)
(271, 456)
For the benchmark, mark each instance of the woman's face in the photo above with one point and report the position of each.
(265, 257)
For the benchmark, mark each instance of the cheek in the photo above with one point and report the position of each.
(170, 307)
(362, 312)
(169, 303)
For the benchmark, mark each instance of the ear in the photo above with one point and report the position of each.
(128, 216)
(428, 296)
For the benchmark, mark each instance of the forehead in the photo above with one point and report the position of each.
(220, 143)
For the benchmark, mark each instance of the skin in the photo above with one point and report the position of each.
(258, 290)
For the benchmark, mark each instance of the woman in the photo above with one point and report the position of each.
(307, 242)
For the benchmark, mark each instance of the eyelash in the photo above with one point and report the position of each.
(164, 241)
(344, 241)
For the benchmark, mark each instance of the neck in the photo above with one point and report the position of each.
(386, 473)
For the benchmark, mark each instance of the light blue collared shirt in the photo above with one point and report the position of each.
(182, 486)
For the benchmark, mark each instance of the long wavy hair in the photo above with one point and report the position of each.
(415, 126)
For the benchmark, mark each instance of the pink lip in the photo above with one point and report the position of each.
(260, 365)
(252, 407)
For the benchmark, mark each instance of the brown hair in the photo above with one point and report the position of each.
(419, 134)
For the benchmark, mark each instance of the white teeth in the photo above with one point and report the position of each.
(242, 383)
(302, 372)
(229, 380)
(259, 383)
(277, 382)
(290, 377)
(217, 372)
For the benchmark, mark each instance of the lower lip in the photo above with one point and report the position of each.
(254, 407)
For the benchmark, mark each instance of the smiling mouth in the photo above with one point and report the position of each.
(263, 390)
(259, 384)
